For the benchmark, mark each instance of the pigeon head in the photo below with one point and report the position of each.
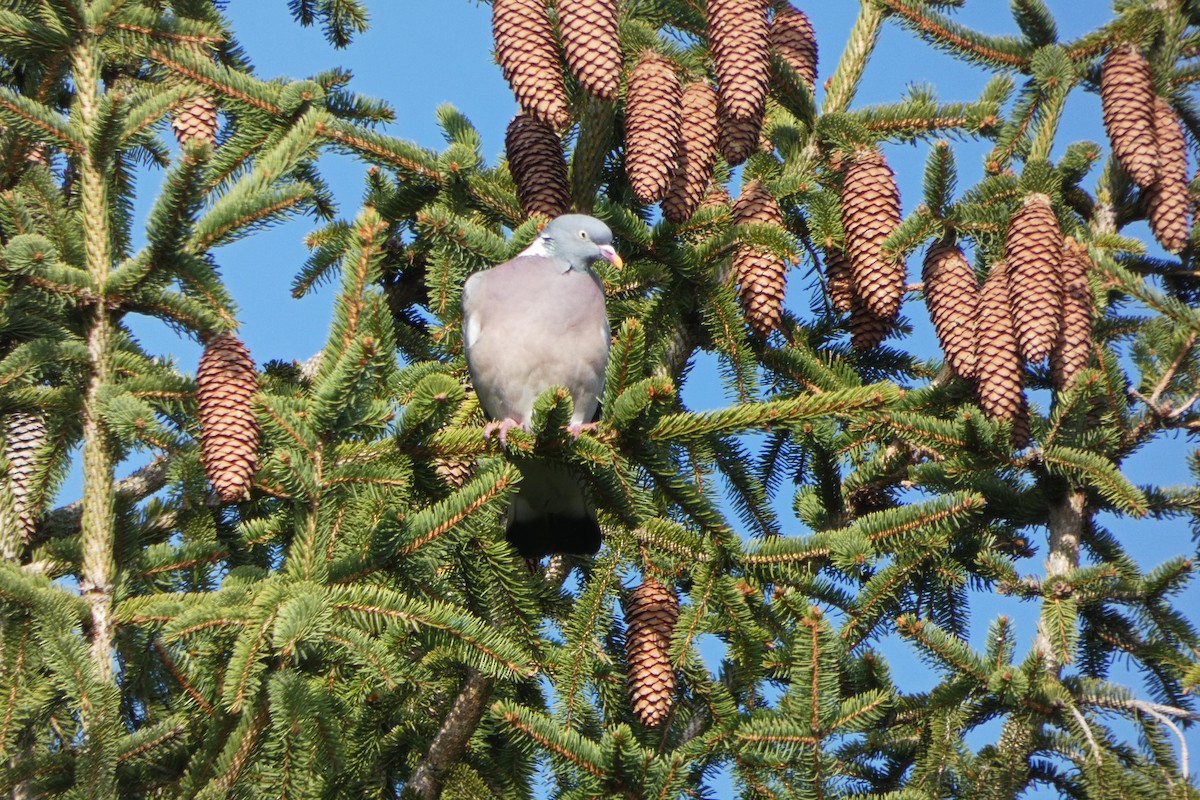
(576, 239)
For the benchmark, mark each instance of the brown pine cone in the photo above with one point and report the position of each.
(38, 154)
(24, 436)
(739, 38)
(739, 138)
(867, 329)
(1074, 345)
(225, 383)
(454, 471)
(538, 166)
(870, 212)
(1127, 100)
(1033, 252)
(697, 153)
(839, 279)
(650, 617)
(761, 275)
(590, 44)
(793, 39)
(952, 294)
(999, 374)
(1167, 198)
(195, 120)
(527, 56)
(652, 122)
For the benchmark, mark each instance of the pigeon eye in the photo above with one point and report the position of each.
(583, 235)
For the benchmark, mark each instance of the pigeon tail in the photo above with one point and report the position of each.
(550, 513)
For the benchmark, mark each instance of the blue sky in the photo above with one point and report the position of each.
(421, 53)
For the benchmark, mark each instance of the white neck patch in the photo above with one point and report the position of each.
(537, 248)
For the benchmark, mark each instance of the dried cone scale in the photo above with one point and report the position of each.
(870, 212)
(195, 120)
(761, 275)
(650, 617)
(225, 383)
(538, 166)
(793, 39)
(1074, 345)
(952, 294)
(23, 437)
(697, 153)
(652, 124)
(528, 57)
(589, 37)
(999, 375)
(1127, 101)
(1033, 252)
(1167, 199)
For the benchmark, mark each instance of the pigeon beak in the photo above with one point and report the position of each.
(611, 255)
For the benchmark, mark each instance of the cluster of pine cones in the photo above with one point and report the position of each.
(1148, 142)
(673, 132)
(1035, 303)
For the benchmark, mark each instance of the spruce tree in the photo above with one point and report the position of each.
(307, 591)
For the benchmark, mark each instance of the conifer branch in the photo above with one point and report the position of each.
(449, 744)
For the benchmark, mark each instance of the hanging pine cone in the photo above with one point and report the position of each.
(697, 153)
(1033, 252)
(952, 294)
(590, 44)
(195, 120)
(652, 124)
(650, 617)
(867, 329)
(738, 138)
(839, 279)
(870, 212)
(538, 166)
(1074, 345)
(761, 275)
(37, 154)
(1127, 100)
(739, 38)
(225, 383)
(1167, 198)
(454, 471)
(1000, 378)
(24, 436)
(792, 38)
(528, 58)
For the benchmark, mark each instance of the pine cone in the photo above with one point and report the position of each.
(196, 120)
(652, 124)
(870, 212)
(1033, 252)
(1167, 198)
(1000, 378)
(839, 280)
(952, 294)
(697, 153)
(38, 154)
(761, 275)
(1127, 100)
(528, 58)
(24, 436)
(590, 44)
(1074, 345)
(538, 166)
(650, 617)
(738, 35)
(225, 383)
(739, 138)
(793, 39)
(867, 329)
(454, 471)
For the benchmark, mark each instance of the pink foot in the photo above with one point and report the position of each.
(576, 428)
(500, 427)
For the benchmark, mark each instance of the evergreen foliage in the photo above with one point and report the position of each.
(359, 627)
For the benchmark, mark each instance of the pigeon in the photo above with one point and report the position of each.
(530, 323)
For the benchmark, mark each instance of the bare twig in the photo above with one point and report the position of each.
(67, 519)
